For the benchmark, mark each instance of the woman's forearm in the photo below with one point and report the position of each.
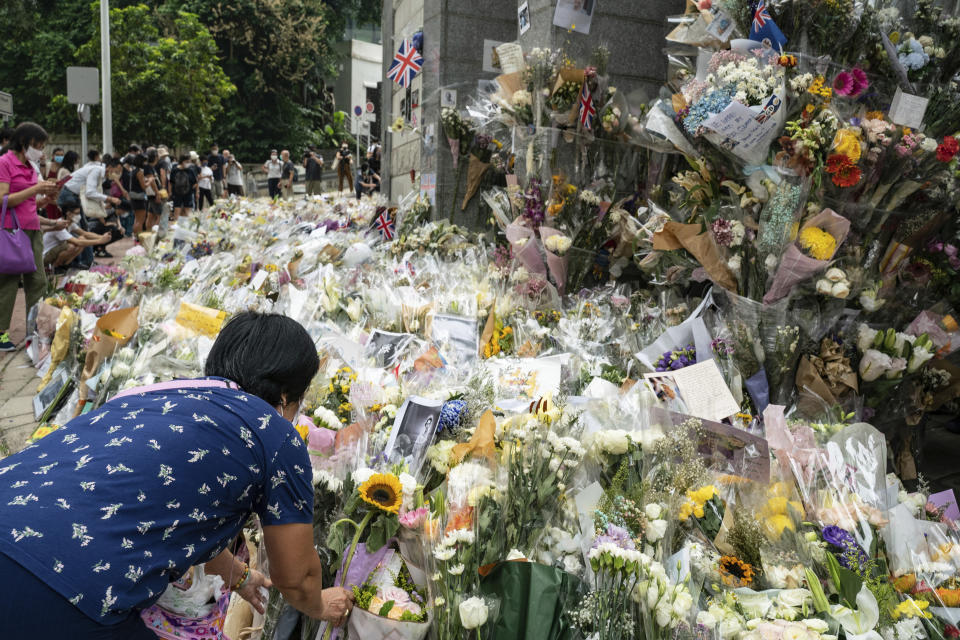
(13, 199)
(307, 596)
(227, 567)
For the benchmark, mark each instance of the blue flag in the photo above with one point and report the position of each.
(764, 28)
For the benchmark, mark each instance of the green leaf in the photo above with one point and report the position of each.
(385, 609)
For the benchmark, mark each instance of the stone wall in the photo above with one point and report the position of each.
(454, 35)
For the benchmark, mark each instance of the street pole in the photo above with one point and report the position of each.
(81, 112)
(105, 76)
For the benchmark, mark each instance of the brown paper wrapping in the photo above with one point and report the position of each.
(482, 444)
(510, 83)
(61, 343)
(123, 323)
(293, 266)
(475, 172)
(418, 320)
(329, 254)
(528, 349)
(676, 235)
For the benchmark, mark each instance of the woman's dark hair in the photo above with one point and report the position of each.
(110, 161)
(268, 355)
(93, 154)
(26, 134)
(70, 160)
(152, 156)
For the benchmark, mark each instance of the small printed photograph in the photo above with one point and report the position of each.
(459, 334)
(574, 15)
(413, 431)
(523, 17)
(386, 347)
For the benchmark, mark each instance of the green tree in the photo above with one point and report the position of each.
(167, 81)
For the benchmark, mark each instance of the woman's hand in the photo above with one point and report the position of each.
(250, 591)
(47, 187)
(337, 603)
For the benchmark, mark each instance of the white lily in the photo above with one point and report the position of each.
(859, 624)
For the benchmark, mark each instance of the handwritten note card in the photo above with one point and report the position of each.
(705, 391)
(747, 130)
(511, 57)
(908, 110)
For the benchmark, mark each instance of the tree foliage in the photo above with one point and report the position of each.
(167, 82)
(168, 66)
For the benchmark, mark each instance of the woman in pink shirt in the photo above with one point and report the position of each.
(20, 187)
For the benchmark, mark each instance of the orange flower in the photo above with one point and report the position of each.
(844, 172)
(462, 519)
(905, 583)
(735, 572)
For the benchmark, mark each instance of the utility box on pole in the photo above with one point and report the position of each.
(83, 90)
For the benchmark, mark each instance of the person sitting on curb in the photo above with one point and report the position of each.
(60, 247)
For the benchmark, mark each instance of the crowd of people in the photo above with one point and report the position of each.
(70, 209)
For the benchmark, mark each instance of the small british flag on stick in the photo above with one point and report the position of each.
(587, 110)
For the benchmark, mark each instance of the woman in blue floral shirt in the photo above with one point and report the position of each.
(100, 516)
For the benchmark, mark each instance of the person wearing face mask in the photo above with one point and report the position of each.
(53, 167)
(274, 169)
(225, 446)
(19, 188)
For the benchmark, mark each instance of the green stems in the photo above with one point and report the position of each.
(353, 548)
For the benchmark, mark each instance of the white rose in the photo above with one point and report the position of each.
(409, 483)
(653, 511)
(824, 287)
(473, 613)
(361, 475)
(816, 624)
(835, 275)
(571, 564)
(771, 262)
(734, 264)
(705, 619)
(754, 604)
(840, 289)
(929, 145)
(656, 530)
(737, 231)
(515, 555)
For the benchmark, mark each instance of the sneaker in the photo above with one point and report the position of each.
(5, 343)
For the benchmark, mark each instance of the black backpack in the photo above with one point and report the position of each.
(181, 183)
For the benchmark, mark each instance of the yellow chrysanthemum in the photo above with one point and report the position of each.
(686, 510)
(818, 244)
(383, 491)
(847, 142)
(911, 608)
(698, 510)
(874, 115)
(302, 429)
(777, 524)
(702, 494)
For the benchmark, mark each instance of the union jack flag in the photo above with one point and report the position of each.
(764, 28)
(385, 225)
(406, 64)
(587, 110)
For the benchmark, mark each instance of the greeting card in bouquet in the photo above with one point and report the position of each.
(701, 388)
(748, 131)
(725, 448)
(520, 381)
(948, 501)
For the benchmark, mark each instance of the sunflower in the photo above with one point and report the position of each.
(735, 572)
(384, 491)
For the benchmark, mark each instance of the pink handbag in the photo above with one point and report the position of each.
(16, 249)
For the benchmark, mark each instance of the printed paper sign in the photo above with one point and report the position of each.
(200, 319)
(908, 110)
(511, 57)
(747, 131)
(491, 61)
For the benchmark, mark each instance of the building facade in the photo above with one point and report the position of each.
(455, 36)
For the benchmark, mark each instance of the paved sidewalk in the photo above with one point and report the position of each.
(18, 384)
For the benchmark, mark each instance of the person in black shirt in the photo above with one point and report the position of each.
(313, 163)
(216, 163)
(183, 183)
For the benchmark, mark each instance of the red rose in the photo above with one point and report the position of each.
(947, 149)
(951, 631)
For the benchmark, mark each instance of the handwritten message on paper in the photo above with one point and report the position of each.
(705, 392)
(511, 57)
(744, 130)
(203, 320)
